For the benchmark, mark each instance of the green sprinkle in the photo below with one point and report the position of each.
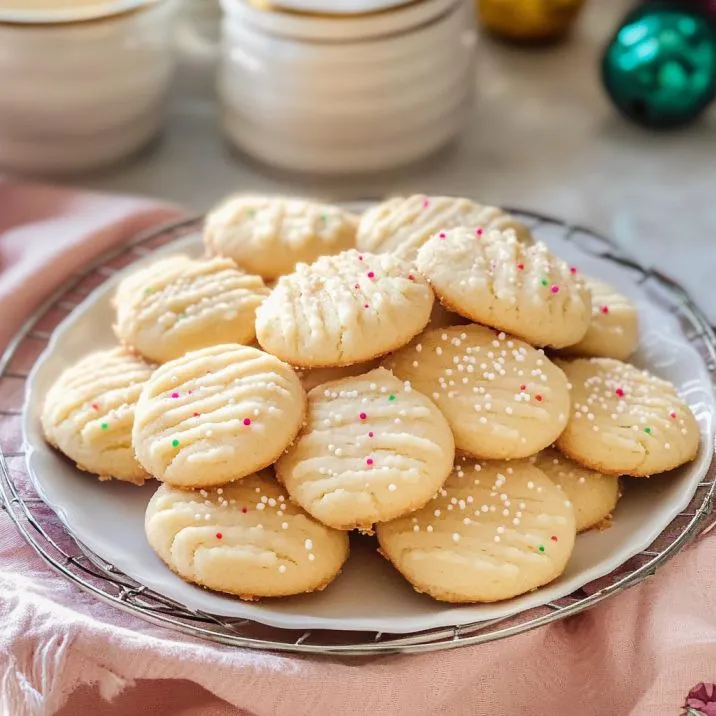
(541, 548)
(175, 443)
(148, 291)
(104, 426)
(323, 217)
(647, 431)
(392, 397)
(181, 315)
(251, 212)
(544, 281)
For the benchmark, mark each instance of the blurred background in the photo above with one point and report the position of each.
(503, 101)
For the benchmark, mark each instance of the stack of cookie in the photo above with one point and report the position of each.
(475, 435)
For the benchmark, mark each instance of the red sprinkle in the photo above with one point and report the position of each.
(244, 509)
(523, 387)
(370, 434)
(672, 416)
(572, 269)
(95, 406)
(219, 535)
(604, 309)
(365, 305)
(369, 461)
(362, 416)
(371, 274)
(247, 421)
(357, 286)
(411, 277)
(538, 398)
(555, 288)
(196, 415)
(360, 258)
(175, 395)
(620, 392)
(479, 232)
(520, 267)
(554, 538)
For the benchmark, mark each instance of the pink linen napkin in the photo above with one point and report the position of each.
(639, 653)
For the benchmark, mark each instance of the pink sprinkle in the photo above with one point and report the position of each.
(190, 392)
(95, 406)
(357, 286)
(620, 392)
(572, 269)
(426, 203)
(365, 305)
(175, 395)
(555, 288)
(672, 416)
(538, 398)
(604, 309)
(520, 267)
(360, 258)
(247, 421)
(370, 434)
(371, 274)
(362, 416)
(369, 461)
(479, 232)
(442, 234)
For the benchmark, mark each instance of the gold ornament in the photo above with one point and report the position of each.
(529, 20)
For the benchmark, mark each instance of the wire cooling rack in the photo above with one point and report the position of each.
(56, 545)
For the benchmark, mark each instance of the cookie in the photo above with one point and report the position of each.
(176, 305)
(494, 279)
(613, 330)
(402, 225)
(310, 378)
(626, 421)
(245, 539)
(495, 530)
(89, 412)
(503, 398)
(372, 449)
(343, 309)
(592, 494)
(268, 236)
(217, 415)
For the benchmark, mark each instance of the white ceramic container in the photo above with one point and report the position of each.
(82, 88)
(341, 94)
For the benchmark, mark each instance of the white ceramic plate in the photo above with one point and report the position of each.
(368, 595)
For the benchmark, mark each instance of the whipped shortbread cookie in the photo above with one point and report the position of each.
(88, 413)
(217, 415)
(268, 235)
(177, 304)
(495, 530)
(343, 309)
(245, 539)
(372, 449)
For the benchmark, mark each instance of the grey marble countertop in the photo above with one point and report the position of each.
(542, 136)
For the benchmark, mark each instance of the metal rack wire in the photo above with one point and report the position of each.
(42, 529)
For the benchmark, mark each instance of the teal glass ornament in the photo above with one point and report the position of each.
(660, 67)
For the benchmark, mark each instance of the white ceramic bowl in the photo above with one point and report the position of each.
(318, 102)
(80, 95)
